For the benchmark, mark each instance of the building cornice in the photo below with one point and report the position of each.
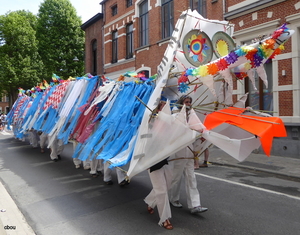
(122, 61)
(293, 18)
(265, 26)
(118, 19)
(252, 7)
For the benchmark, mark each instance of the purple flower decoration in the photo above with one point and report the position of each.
(143, 78)
(183, 87)
(257, 60)
(284, 27)
(231, 58)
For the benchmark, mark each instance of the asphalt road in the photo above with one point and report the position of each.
(56, 198)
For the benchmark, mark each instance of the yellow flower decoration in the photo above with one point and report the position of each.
(268, 52)
(193, 37)
(247, 48)
(222, 48)
(203, 71)
(281, 47)
(247, 66)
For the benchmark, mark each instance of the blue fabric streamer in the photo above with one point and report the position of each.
(115, 130)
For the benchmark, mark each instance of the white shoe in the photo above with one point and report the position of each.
(87, 167)
(198, 209)
(77, 166)
(176, 204)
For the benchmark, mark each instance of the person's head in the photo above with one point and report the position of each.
(185, 100)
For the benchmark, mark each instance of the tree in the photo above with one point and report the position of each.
(60, 39)
(20, 64)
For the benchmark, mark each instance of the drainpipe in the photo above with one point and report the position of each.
(102, 31)
(224, 6)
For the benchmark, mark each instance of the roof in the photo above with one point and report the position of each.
(104, 1)
(91, 21)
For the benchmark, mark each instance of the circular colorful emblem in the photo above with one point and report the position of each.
(197, 48)
(222, 43)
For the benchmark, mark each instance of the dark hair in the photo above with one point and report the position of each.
(182, 98)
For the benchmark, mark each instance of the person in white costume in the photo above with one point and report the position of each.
(77, 162)
(183, 165)
(161, 178)
(206, 155)
(43, 141)
(33, 138)
(57, 148)
(96, 167)
(107, 177)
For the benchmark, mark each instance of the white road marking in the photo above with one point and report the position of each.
(19, 147)
(5, 133)
(248, 186)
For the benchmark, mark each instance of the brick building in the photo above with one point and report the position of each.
(132, 35)
(4, 104)
(135, 34)
(93, 44)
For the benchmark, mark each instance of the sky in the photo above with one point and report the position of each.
(86, 9)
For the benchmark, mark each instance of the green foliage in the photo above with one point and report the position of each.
(60, 39)
(32, 48)
(20, 64)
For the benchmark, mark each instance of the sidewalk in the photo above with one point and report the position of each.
(12, 220)
(284, 166)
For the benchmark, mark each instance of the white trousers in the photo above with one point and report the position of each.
(161, 180)
(56, 148)
(77, 161)
(43, 140)
(108, 173)
(86, 163)
(33, 138)
(96, 165)
(185, 168)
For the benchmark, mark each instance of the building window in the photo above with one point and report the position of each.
(128, 3)
(114, 46)
(94, 58)
(129, 41)
(114, 10)
(200, 6)
(167, 18)
(144, 26)
(262, 98)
